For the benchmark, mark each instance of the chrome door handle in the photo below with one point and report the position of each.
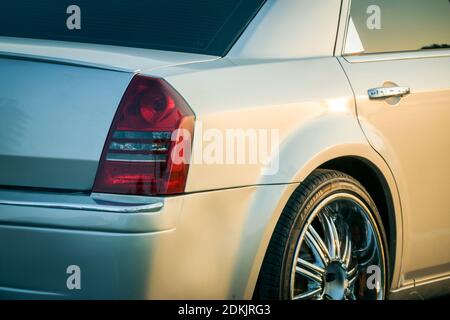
(388, 92)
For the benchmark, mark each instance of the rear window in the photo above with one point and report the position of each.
(195, 26)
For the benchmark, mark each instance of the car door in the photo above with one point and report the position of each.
(397, 59)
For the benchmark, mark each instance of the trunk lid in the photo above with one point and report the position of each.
(57, 103)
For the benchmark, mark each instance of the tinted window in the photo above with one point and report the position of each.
(197, 26)
(400, 25)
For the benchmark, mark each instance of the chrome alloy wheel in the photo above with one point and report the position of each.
(338, 243)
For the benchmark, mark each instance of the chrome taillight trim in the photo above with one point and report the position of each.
(126, 157)
(134, 146)
(148, 135)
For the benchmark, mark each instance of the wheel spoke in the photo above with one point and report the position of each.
(350, 295)
(351, 280)
(309, 294)
(332, 235)
(346, 256)
(369, 237)
(309, 275)
(311, 267)
(316, 243)
(351, 272)
(368, 256)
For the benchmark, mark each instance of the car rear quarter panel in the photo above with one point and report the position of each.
(307, 101)
(310, 103)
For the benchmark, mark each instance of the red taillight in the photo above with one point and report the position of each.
(148, 147)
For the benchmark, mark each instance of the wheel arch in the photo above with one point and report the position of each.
(373, 180)
(369, 168)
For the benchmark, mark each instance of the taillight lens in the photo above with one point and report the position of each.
(148, 148)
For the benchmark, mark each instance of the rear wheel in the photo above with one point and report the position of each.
(328, 244)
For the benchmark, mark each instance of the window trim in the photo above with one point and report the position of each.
(400, 55)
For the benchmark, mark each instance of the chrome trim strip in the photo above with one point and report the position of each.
(150, 135)
(130, 146)
(108, 205)
(431, 280)
(408, 286)
(391, 56)
(133, 157)
(416, 288)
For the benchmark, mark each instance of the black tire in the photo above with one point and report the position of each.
(274, 278)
